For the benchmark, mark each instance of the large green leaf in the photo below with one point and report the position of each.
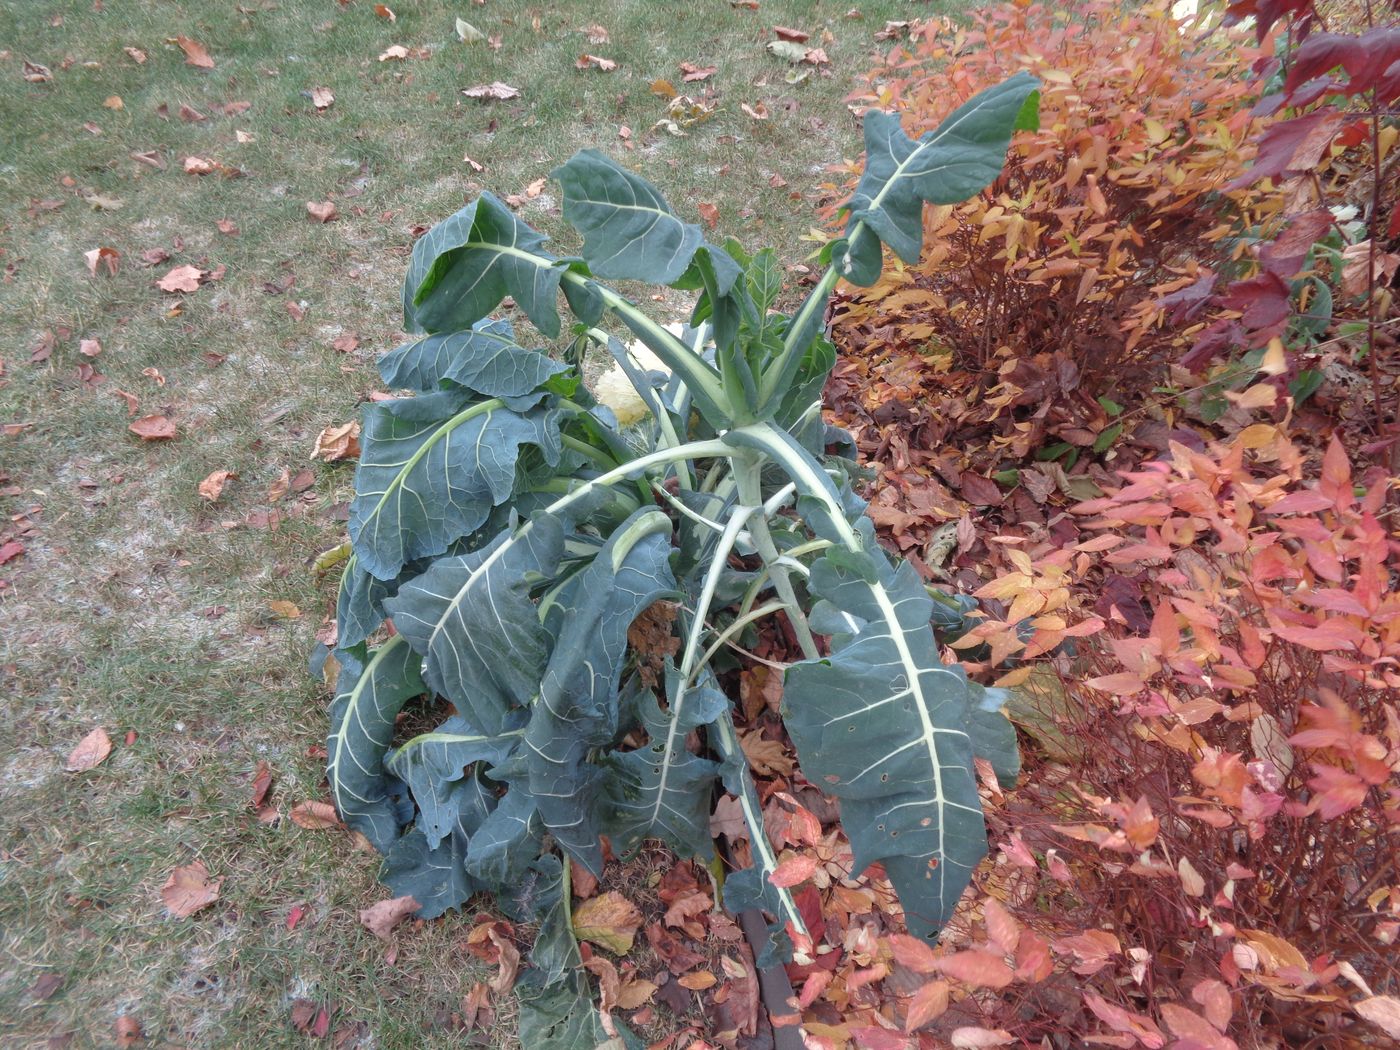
(436, 876)
(508, 841)
(432, 467)
(472, 620)
(629, 231)
(470, 261)
(882, 725)
(661, 790)
(369, 693)
(359, 603)
(577, 708)
(432, 763)
(945, 166)
(484, 358)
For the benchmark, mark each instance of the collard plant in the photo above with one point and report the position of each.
(512, 532)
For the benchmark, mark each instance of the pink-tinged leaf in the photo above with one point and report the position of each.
(929, 1002)
(1193, 1029)
(913, 953)
(1304, 501)
(381, 918)
(10, 550)
(797, 868)
(1214, 997)
(189, 889)
(181, 279)
(1121, 1020)
(295, 915)
(90, 752)
(975, 1038)
(1383, 1011)
(1002, 928)
(1291, 145)
(1121, 684)
(872, 1038)
(977, 967)
(1336, 475)
(1263, 299)
(1328, 636)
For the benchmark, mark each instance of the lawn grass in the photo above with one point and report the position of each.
(140, 607)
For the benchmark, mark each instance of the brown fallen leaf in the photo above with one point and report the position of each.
(262, 784)
(90, 752)
(709, 212)
(758, 111)
(212, 487)
(103, 257)
(693, 73)
(795, 35)
(338, 443)
(181, 279)
(381, 918)
(227, 227)
(189, 889)
(151, 158)
(495, 90)
(385, 11)
(322, 98)
(322, 211)
(609, 920)
(10, 550)
(153, 428)
(393, 53)
(535, 188)
(635, 993)
(698, 981)
(346, 343)
(136, 55)
(596, 34)
(285, 609)
(36, 73)
(816, 57)
(128, 1031)
(200, 166)
(113, 102)
(132, 404)
(195, 53)
(190, 115)
(315, 816)
(607, 65)
(1383, 1011)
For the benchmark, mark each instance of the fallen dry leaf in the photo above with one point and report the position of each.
(10, 550)
(200, 166)
(797, 868)
(381, 918)
(212, 487)
(385, 11)
(321, 97)
(190, 115)
(227, 226)
(90, 752)
(285, 609)
(153, 428)
(106, 258)
(188, 890)
(113, 102)
(393, 53)
(128, 1031)
(151, 158)
(609, 920)
(315, 816)
(596, 34)
(708, 212)
(698, 981)
(338, 443)
(1383, 1011)
(136, 55)
(797, 35)
(181, 279)
(262, 784)
(322, 211)
(195, 53)
(607, 65)
(693, 73)
(494, 90)
(36, 73)
(345, 343)
(758, 112)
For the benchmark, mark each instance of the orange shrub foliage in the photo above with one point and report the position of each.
(1100, 212)
(1216, 861)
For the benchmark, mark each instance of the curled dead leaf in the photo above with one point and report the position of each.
(609, 920)
(181, 279)
(381, 918)
(322, 98)
(106, 258)
(195, 53)
(154, 427)
(607, 65)
(212, 487)
(90, 752)
(495, 90)
(189, 889)
(338, 443)
(322, 211)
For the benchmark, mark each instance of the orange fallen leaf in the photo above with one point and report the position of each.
(607, 65)
(90, 752)
(797, 868)
(153, 428)
(195, 53)
(104, 257)
(113, 102)
(200, 166)
(381, 918)
(338, 443)
(385, 11)
(262, 784)
(212, 487)
(708, 212)
(127, 1029)
(609, 920)
(181, 279)
(322, 211)
(285, 609)
(698, 981)
(795, 35)
(189, 889)
(315, 816)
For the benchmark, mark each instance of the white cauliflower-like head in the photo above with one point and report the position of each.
(615, 390)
